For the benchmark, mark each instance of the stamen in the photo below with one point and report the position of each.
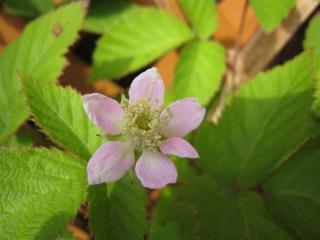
(142, 124)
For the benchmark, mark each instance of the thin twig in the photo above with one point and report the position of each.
(233, 62)
(230, 82)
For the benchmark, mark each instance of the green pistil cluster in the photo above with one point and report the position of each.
(142, 124)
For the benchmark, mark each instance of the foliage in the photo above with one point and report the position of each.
(117, 55)
(258, 172)
(117, 210)
(40, 191)
(29, 54)
(270, 13)
(29, 9)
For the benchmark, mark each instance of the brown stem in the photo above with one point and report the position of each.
(237, 47)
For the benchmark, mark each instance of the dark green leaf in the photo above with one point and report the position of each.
(118, 210)
(103, 14)
(229, 215)
(29, 8)
(269, 118)
(293, 192)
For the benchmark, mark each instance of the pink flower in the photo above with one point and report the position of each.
(146, 129)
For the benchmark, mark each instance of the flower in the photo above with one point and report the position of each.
(146, 128)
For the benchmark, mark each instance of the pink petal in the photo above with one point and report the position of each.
(148, 85)
(155, 170)
(187, 115)
(105, 112)
(110, 162)
(179, 147)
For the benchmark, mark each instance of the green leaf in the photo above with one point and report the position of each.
(38, 51)
(293, 192)
(30, 8)
(229, 215)
(271, 13)
(41, 190)
(59, 111)
(66, 235)
(118, 210)
(312, 42)
(268, 119)
(199, 71)
(202, 15)
(172, 220)
(103, 14)
(139, 37)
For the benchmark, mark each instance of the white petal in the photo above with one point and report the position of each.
(105, 112)
(110, 162)
(155, 170)
(179, 147)
(148, 85)
(187, 115)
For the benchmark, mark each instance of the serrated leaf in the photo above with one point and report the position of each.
(199, 71)
(293, 192)
(312, 41)
(38, 51)
(103, 14)
(40, 191)
(202, 15)
(60, 112)
(30, 8)
(268, 119)
(140, 37)
(228, 215)
(271, 13)
(118, 210)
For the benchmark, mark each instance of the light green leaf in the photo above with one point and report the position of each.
(293, 192)
(38, 51)
(312, 41)
(59, 111)
(199, 71)
(41, 190)
(229, 215)
(270, 13)
(118, 210)
(103, 14)
(202, 15)
(269, 118)
(140, 37)
(29, 8)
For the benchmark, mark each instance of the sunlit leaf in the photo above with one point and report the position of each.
(199, 71)
(41, 190)
(270, 13)
(140, 37)
(103, 14)
(38, 51)
(268, 119)
(202, 15)
(59, 111)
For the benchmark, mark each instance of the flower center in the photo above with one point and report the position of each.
(142, 124)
